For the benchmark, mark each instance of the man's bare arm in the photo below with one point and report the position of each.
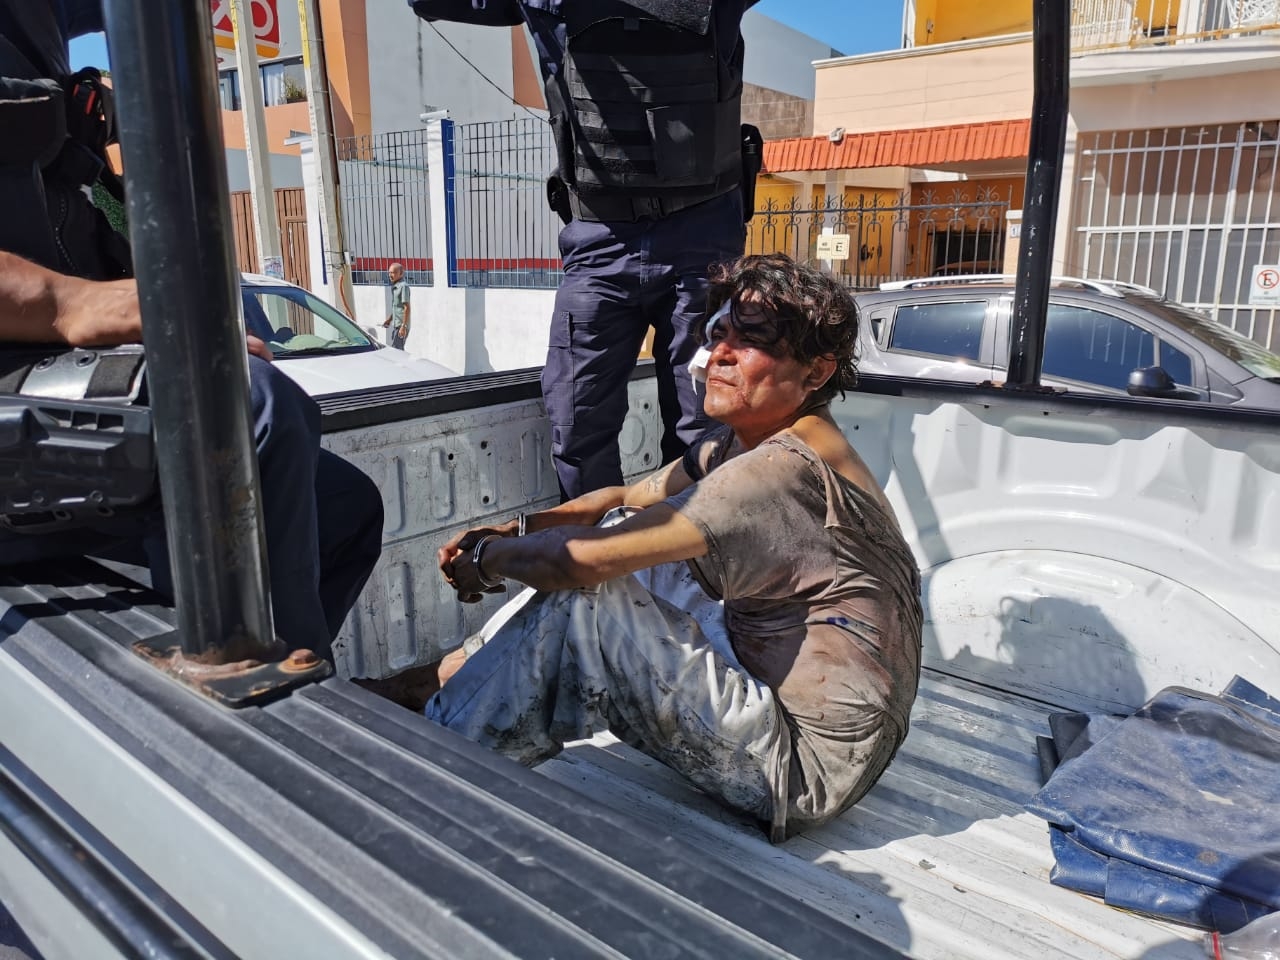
(41, 306)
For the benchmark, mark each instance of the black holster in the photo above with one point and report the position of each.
(558, 197)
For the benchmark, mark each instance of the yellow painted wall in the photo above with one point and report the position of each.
(765, 231)
(979, 208)
(946, 21)
(886, 241)
(864, 213)
(872, 222)
(972, 190)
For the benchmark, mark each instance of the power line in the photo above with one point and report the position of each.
(482, 74)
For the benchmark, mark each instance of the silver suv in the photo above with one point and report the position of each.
(1100, 337)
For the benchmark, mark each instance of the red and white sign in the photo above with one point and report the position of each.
(266, 26)
(1265, 289)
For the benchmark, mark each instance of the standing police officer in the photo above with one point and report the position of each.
(645, 100)
(65, 279)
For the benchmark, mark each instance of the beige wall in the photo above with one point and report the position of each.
(925, 88)
(1152, 104)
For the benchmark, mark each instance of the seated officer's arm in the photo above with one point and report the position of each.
(485, 13)
(41, 306)
(38, 305)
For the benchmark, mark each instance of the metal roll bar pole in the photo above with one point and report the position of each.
(175, 172)
(1051, 32)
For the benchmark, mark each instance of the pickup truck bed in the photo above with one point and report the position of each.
(1075, 555)
(334, 823)
(939, 860)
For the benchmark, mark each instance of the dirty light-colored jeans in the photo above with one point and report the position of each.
(644, 655)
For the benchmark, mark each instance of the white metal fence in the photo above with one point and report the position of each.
(1189, 211)
(1109, 24)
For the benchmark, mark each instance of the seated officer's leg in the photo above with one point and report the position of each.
(323, 516)
(287, 433)
(596, 331)
(349, 526)
(23, 548)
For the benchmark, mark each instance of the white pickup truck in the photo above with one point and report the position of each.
(1077, 553)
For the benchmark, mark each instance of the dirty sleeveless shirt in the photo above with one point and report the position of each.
(821, 597)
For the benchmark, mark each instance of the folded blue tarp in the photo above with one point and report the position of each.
(1174, 811)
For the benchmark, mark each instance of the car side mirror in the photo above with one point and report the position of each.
(1156, 382)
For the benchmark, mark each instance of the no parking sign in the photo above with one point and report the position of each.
(1265, 288)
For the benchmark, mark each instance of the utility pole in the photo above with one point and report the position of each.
(313, 61)
(266, 229)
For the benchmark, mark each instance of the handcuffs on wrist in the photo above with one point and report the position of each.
(475, 562)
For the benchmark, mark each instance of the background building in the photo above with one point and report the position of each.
(387, 68)
(459, 201)
(1169, 178)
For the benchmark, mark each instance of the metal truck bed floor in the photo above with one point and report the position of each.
(939, 860)
(332, 823)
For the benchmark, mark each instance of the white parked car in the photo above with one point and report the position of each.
(320, 347)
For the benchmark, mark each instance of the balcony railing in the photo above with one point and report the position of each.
(1098, 25)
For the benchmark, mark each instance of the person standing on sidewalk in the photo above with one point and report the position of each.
(398, 319)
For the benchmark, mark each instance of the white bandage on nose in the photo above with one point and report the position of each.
(698, 365)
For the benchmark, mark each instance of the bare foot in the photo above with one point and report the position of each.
(412, 688)
(450, 664)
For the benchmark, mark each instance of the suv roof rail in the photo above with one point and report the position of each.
(1109, 288)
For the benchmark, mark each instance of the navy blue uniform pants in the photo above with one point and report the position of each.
(620, 278)
(323, 521)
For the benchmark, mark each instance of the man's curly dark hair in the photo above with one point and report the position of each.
(815, 313)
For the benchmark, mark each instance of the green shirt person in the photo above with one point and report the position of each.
(398, 319)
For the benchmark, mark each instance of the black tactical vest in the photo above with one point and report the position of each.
(45, 162)
(645, 110)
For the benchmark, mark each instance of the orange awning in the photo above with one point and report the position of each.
(930, 146)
